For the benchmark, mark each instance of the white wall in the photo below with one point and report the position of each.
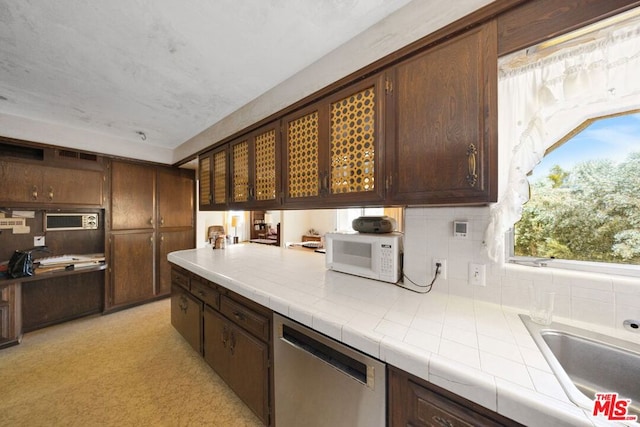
(297, 223)
(595, 298)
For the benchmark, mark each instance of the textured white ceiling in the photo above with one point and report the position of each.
(139, 78)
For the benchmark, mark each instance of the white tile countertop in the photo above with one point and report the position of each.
(478, 350)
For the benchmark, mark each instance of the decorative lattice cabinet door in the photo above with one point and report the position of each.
(220, 177)
(206, 195)
(352, 143)
(302, 145)
(240, 171)
(266, 168)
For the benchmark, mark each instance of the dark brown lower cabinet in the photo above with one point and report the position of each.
(10, 316)
(232, 333)
(170, 241)
(186, 316)
(418, 403)
(131, 268)
(240, 359)
(54, 300)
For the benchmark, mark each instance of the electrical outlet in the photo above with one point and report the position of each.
(38, 241)
(443, 267)
(477, 274)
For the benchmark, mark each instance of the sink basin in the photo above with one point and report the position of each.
(587, 363)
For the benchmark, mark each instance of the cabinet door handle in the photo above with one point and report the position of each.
(442, 421)
(34, 192)
(472, 177)
(183, 304)
(225, 336)
(238, 316)
(232, 344)
(150, 221)
(161, 221)
(50, 193)
(323, 183)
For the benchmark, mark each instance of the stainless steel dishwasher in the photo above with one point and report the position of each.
(321, 382)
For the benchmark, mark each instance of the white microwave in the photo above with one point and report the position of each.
(374, 256)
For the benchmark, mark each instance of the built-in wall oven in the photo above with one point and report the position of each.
(321, 382)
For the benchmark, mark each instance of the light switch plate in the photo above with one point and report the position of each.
(477, 274)
(38, 241)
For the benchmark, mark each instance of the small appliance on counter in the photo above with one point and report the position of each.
(374, 224)
(374, 256)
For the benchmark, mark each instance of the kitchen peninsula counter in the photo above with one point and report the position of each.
(478, 350)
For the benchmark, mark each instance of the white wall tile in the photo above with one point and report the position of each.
(429, 234)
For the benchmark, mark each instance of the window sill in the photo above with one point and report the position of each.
(581, 266)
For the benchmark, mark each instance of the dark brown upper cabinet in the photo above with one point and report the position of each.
(133, 196)
(175, 198)
(333, 148)
(26, 184)
(255, 169)
(214, 179)
(442, 143)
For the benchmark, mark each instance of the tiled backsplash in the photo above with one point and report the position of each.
(589, 297)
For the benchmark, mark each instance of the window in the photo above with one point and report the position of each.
(344, 217)
(585, 201)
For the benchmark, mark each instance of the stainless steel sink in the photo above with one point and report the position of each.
(587, 363)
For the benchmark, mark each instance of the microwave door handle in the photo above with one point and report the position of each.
(375, 259)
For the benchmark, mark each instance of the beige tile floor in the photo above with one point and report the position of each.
(130, 368)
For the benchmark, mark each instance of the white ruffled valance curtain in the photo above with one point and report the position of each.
(541, 102)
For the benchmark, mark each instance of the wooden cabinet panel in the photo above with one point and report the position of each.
(55, 300)
(152, 214)
(133, 192)
(444, 145)
(216, 343)
(10, 316)
(72, 186)
(175, 198)
(170, 241)
(206, 292)
(240, 359)
(180, 278)
(249, 371)
(415, 402)
(186, 317)
(248, 319)
(132, 267)
(46, 185)
(20, 182)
